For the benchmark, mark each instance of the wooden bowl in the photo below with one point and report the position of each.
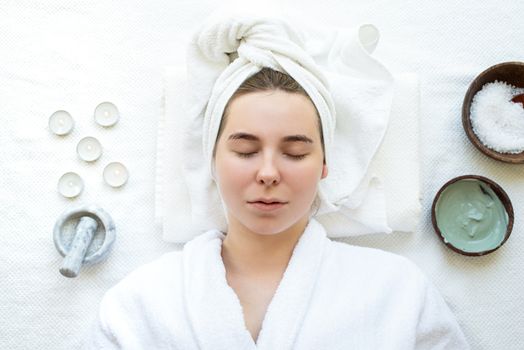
(510, 72)
(501, 194)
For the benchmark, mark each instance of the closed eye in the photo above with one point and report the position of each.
(245, 155)
(250, 154)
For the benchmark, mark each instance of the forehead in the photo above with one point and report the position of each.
(272, 112)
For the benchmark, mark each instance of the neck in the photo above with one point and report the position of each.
(250, 254)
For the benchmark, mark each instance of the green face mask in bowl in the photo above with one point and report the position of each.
(472, 215)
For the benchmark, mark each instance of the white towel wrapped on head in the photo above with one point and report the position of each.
(352, 91)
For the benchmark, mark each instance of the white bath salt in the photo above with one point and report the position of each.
(497, 121)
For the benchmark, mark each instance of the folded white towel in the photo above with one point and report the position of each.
(353, 199)
(394, 172)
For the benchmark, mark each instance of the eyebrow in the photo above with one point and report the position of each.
(251, 137)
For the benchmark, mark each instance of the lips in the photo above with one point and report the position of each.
(267, 207)
(268, 201)
(267, 204)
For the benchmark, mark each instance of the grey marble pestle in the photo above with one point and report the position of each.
(86, 243)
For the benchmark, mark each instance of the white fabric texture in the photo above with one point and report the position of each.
(352, 199)
(183, 301)
(73, 55)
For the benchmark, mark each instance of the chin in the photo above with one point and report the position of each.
(265, 224)
(269, 226)
(266, 230)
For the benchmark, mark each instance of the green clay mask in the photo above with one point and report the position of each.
(471, 217)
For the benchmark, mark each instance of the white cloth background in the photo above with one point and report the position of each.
(74, 55)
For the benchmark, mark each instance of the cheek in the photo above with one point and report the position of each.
(232, 174)
(303, 178)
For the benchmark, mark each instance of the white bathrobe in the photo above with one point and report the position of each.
(332, 296)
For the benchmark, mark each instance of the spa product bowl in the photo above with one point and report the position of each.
(510, 72)
(489, 243)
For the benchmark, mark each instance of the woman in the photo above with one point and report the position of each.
(269, 160)
(273, 280)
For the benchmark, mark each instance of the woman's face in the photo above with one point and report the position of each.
(269, 150)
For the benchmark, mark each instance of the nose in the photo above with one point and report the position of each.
(268, 173)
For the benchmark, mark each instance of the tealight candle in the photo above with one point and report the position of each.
(61, 123)
(115, 174)
(70, 185)
(89, 149)
(106, 114)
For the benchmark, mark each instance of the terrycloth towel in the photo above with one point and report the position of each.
(353, 199)
(331, 296)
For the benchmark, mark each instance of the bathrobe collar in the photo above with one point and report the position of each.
(214, 309)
